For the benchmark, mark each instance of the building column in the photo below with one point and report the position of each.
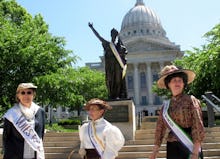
(149, 83)
(136, 84)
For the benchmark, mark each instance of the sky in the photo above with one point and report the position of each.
(185, 21)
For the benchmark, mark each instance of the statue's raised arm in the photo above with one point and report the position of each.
(115, 64)
(96, 33)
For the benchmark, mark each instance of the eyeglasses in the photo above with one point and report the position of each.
(28, 93)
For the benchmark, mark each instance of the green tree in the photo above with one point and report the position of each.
(71, 87)
(27, 50)
(206, 64)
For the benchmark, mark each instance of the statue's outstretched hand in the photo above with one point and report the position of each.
(90, 24)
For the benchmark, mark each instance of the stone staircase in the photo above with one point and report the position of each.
(59, 145)
(56, 145)
(144, 139)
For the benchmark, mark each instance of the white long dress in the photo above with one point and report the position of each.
(109, 137)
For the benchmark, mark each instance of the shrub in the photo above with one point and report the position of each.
(69, 122)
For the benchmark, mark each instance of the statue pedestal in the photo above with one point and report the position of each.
(122, 115)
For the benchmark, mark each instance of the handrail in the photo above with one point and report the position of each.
(139, 119)
(211, 103)
(216, 98)
(211, 99)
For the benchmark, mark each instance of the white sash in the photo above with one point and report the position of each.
(117, 56)
(15, 116)
(176, 129)
(96, 142)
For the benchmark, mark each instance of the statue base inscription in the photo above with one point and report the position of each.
(122, 115)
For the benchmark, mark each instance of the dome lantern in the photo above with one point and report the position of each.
(139, 2)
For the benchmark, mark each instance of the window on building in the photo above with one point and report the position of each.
(155, 77)
(63, 109)
(143, 80)
(143, 100)
(130, 82)
(157, 100)
(147, 30)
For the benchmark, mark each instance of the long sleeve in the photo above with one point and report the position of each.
(6, 133)
(82, 134)
(160, 129)
(198, 132)
(114, 141)
(185, 110)
(107, 136)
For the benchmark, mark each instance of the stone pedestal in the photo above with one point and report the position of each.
(122, 115)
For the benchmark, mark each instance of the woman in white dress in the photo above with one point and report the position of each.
(99, 138)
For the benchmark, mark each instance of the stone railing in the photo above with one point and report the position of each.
(213, 105)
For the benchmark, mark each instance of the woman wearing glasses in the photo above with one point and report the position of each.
(24, 126)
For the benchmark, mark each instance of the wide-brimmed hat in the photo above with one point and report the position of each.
(96, 101)
(171, 69)
(26, 86)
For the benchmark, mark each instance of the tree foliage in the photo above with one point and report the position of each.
(205, 62)
(27, 50)
(29, 53)
(71, 87)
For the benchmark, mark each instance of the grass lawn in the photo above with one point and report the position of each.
(57, 128)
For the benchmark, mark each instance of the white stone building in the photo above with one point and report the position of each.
(149, 50)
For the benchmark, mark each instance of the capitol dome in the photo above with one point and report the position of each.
(141, 21)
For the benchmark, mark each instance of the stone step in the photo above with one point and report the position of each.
(209, 154)
(149, 118)
(58, 134)
(162, 154)
(152, 130)
(61, 138)
(152, 125)
(136, 148)
(140, 151)
(209, 149)
(151, 140)
(56, 155)
(59, 145)
(58, 149)
(146, 134)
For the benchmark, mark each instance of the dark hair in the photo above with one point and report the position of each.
(100, 106)
(178, 74)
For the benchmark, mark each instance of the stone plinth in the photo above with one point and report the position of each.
(123, 116)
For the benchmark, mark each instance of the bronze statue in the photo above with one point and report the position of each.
(115, 64)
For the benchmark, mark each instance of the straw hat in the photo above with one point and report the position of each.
(96, 101)
(26, 86)
(171, 69)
